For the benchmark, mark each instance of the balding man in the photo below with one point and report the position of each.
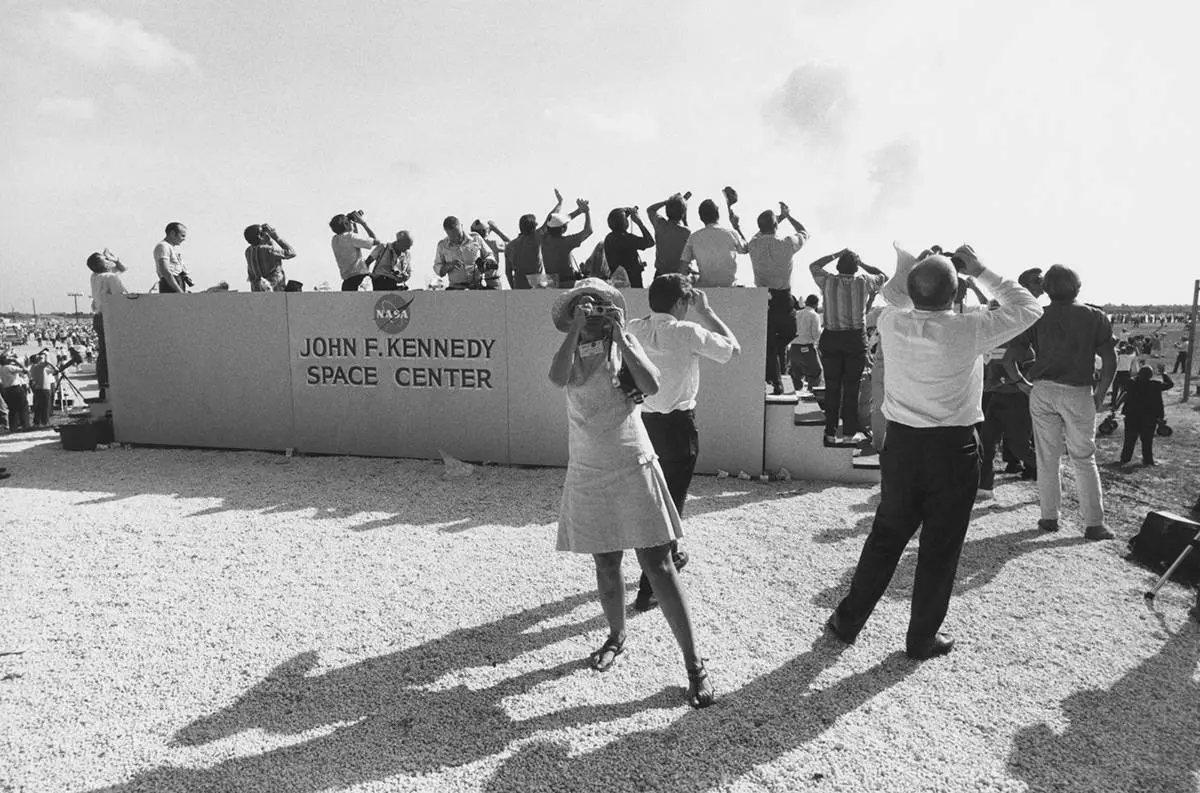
(930, 459)
(1064, 396)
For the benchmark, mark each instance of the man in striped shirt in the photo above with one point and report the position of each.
(843, 344)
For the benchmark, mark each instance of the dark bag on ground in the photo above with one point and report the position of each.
(1163, 537)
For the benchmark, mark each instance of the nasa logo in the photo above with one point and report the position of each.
(392, 314)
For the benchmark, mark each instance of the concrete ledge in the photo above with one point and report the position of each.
(801, 450)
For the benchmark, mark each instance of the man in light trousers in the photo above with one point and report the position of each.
(1064, 395)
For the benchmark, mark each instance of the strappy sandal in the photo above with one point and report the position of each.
(603, 659)
(700, 695)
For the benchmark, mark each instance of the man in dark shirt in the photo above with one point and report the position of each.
(1064, 396)
(1143, 409)
(621, 247)
(557, 245)
(670, 233)
(1005, 414)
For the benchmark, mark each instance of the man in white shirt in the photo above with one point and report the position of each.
(714, 249)
(168, 261)
(930, 461)
(105, 284)
(771, 257)
(804, 364)
(348, 246)
(676, 346)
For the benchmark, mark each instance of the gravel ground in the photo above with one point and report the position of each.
(187, 620)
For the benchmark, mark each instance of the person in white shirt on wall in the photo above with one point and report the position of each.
(348, 246)
(771, 257)
(675, 346)
(930, 460)
(168, 261)
(463, 257)
(714, 249)
(106, 282)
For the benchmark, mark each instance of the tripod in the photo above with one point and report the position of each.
(1191, 546)
(62, 396)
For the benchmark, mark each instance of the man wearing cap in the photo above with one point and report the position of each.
(930, 463)
(675, 346)
(523, 255)
(557, 245)
(462, 256)
(714, 249)
(843, 345)
(670, 233)
(771, 256)
(264, 258)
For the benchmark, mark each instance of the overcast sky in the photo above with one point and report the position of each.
(1041, 131)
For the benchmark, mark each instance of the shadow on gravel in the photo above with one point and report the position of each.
(389, 715)
(756, 724)
(405, 492)
(1142, 734)
(981, 561)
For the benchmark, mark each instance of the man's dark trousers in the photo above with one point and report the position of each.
(929, 480)
(676, 441)
(1005, 415)
(1139, 428)
(843, 356)
(781, 329)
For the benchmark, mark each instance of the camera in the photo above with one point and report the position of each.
(354, 215)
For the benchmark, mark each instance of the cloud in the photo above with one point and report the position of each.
(814, 102)
(100, 40)
(68, 108)
(895, 171)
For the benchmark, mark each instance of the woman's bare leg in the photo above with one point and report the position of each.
(611, 588)
(658, 567)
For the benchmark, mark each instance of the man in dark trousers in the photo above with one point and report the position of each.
(675, 346)
(1143, 407)
(930, 459)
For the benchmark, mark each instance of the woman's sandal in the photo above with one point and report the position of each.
(603, 659)
(700, 691)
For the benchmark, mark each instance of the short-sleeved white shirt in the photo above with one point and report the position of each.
(348, 250)
(675, 348)
(167, 259)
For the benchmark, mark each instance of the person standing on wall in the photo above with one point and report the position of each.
(168, 261)
(1064, 396)
(558, 246)
(675, 346)
(930, 459)
(391, 264)
(106, 282)
(713, 248)
(615, 496)
(264, 258)
(462, 257)
(843, 344)
(523, 255)
(771, 256)
(670, 233)
(621, 247)
(348, 246)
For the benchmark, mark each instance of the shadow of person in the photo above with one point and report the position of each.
(389, 715)
(1142, 734)
(756, 724)
(981, 561)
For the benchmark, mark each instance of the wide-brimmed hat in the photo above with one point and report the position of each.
(560, 312)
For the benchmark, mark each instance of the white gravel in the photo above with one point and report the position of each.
(184, 620)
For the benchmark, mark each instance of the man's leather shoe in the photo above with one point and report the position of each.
(1048, 524)
(645, 601)
(680, 559)
(843, 636)
(939, 646)
(1098, 533)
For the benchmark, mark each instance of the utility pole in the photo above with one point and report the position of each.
(75, 295)
(35, 316)
(1187, 365)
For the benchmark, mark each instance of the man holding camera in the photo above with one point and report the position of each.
(392, 264)
(930, 462)
(106, 283)
(771, 256)
(348, 246)
(675, 346)
(168, 261)
(670, 233)
(463, 257)
(265, 257)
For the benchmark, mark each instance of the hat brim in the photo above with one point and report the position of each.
(560, 310)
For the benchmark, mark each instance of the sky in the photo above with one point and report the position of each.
(1047, 131)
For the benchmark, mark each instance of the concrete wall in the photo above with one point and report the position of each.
(343, 373)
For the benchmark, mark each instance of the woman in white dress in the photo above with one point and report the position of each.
(615, 496)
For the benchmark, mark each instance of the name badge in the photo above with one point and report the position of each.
(591, 348)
